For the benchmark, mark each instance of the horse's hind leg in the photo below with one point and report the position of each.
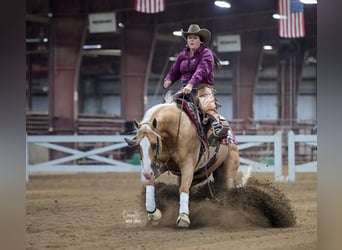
(220, 177)
(233, 163)
(224, 176)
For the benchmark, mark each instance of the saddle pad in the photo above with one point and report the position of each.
(192, 113)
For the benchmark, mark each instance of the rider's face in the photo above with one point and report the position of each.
(193, 41)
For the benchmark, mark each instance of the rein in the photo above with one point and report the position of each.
(207, 149)
(179, 121)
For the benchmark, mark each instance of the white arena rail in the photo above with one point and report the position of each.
(56, 165)
(306, 167)
(117, 141)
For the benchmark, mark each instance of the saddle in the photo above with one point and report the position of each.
(186, 103)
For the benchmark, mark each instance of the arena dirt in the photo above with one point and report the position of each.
(105, 211)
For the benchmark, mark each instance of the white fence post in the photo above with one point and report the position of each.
(27, 161)
(278, 161)
(291, 156)
(306, 167)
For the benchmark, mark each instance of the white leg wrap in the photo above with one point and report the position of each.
(184, 203)
(150, 201)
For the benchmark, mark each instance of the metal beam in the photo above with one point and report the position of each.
(37, 19)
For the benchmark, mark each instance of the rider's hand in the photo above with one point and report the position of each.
(167, 84)
(187, 89)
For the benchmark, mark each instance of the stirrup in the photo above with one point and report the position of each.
(219, 131)
(230, 137)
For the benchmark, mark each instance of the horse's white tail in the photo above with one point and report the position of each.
(245, 176)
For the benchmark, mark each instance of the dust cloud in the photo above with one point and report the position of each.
(259, 204)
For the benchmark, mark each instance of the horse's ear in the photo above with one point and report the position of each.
(136, 124)
(154, 123)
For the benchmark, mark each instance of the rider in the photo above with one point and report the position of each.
(194, 65)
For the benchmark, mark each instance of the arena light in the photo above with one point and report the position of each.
(268, 47)
(92, 46)
(177, 33)
(101, 52)
(309, 1)
(37, 40)
(224, 63)
(121, 25)
(222, 4)
(277, 16)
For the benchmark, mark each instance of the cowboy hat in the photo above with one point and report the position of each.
(204, 34)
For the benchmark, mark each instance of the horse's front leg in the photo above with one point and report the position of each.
(183, 219)
(153, 213)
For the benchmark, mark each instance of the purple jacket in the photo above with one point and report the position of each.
(195, 70)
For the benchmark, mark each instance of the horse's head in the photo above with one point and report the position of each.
(150, 143)
(149, 130)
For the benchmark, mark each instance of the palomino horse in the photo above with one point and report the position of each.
(175, 146)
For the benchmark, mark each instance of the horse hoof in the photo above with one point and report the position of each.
(154, 217)
(183, 221)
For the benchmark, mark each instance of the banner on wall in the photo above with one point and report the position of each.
(228, 43)
(102, 22)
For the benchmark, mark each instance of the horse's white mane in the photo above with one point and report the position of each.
(168, 100)
(146, 123)
(149, 112)
(168, 97)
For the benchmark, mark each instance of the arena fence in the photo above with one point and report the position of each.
(75, 147)
(249, 141)
(102, 153)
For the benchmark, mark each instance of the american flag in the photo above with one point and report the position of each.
(149, 6)
(291, 22)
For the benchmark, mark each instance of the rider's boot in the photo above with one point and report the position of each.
(219, 131)
(230, 137)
